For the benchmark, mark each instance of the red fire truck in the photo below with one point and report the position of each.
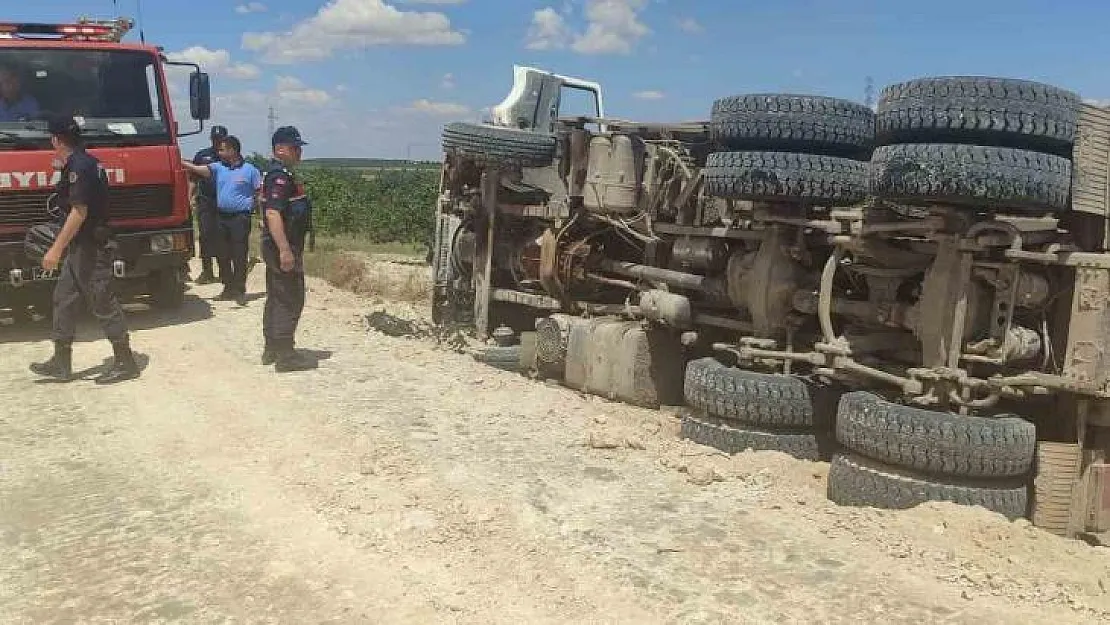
(118, 92)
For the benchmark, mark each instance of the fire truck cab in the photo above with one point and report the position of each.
(119, 94)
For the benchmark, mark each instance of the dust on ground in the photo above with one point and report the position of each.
(404, 482)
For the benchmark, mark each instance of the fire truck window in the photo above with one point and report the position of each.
(102, 86)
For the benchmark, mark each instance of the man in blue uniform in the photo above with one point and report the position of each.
(15, 105)
(205, 202)
(86, 271)
(237, 185)
(286, 221)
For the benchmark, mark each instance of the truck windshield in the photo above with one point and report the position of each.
(116, 95)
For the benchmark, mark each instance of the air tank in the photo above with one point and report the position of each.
(611, 176)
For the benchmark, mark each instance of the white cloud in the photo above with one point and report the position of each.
(549, 31)
(292, 90)
(689, 25)
(438, 109)
(250, 7)
(353, 25)
(439, 2)
(1104, 103)
(448, 81)
(649, 95)
(612, 27)
(216, 62)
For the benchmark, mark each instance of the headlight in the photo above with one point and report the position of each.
(161, 243)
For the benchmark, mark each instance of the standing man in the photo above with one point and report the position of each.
(286, 221)
(86, 272)
(237, 183)
(205, 201)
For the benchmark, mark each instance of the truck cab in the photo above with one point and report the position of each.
(538, 98)
(118, 94)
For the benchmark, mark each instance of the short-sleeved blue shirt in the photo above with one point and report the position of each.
(235, 186)
(22, 109)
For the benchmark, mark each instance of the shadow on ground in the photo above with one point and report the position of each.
(140, 316)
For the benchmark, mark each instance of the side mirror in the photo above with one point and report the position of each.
(200, 97)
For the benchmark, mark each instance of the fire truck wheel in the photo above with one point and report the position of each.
(978, 110)
(789, 176)
(938, 443)
(857, 481)
(731, 439)
(972, 175)
(168, 289)
(497, 145)
(795, 123)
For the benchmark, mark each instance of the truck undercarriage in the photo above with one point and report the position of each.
(921, 290)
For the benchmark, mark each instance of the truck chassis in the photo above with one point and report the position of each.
(920, 291)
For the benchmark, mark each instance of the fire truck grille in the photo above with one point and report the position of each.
(26, 208)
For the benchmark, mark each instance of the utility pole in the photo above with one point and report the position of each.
(869, 92)
(271, 120)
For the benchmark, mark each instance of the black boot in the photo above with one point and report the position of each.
(289, 359)
(60, 365)
(269, 354)
(123, 367)
(206, 276)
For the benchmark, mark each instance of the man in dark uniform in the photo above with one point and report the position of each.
(286, 221)
(205, 196)
(86, 271)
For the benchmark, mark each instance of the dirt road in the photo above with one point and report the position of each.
(401, 483)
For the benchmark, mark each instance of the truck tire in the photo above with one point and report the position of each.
(722, 436)
(857, 481)
(748, 397)
(497, 145)
(933, 442)
(779, 176)
(977, 110)
(795, 123)
(506, 358)
(949, 173)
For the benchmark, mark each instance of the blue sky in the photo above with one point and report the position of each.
(379, 78)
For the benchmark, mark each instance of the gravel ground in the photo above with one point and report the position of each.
(405, 483)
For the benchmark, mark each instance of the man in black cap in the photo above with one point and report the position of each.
(205, 202)
(286, 221)
(86, 271)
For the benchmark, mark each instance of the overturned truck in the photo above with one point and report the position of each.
(920, 291)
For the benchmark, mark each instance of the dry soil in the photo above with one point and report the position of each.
(405, 483)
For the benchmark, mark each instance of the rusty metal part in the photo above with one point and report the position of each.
(548, 264)
(579, 149)
(825, 296)
(764, 283)
(600, 279)
(1018, 344)
(1097, 501)
(571, 265)
(1059, 470)
(677, 279)
(667, 308)
(1087, 352)
(699, 254)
